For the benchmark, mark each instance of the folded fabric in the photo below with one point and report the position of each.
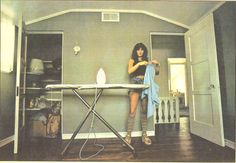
(153, 90)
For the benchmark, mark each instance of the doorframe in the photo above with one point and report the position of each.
(16, 125)
(161, 34)
(62, 41)
(181, 61)
(167, 34)
(151, 54)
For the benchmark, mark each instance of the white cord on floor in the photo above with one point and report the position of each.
(92, 128)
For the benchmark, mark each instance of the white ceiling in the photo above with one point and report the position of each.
(182, 13)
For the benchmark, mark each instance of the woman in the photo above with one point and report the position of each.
(136, 69)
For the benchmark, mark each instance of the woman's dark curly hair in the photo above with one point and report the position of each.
(134, 55)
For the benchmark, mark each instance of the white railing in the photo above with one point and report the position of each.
(167, 111)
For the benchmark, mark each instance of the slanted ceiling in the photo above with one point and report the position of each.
(182, 13)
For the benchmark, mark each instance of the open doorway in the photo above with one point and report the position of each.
(178, 83)
(169, 50)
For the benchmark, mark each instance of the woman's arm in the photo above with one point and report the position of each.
(132, 68)
(157, 66)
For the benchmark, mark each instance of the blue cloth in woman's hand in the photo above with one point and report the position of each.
(153, 90)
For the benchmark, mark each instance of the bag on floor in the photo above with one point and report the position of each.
(53, 125)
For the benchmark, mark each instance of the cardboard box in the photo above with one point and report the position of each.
(37, 129)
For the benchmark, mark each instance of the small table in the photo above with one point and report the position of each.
(77, 87)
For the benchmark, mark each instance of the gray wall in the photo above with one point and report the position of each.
(164, 47)
(7, 99)
(106, 45)
(225, 27)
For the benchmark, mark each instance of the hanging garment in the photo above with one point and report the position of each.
(153, 90)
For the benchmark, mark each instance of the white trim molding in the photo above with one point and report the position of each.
(230, 144)
(176, 60)
(105, 135)
(6, 141)
(167, 33)
(107, 10)
(45, 32)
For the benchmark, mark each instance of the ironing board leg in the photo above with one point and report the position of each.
(75, 133)
(91, 109)
(113, 130)
(86, 117)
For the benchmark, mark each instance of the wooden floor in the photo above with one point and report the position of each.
(172, 143)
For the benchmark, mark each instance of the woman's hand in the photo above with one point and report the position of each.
(157, 67)
(132, 67)
(143, 63)
(154, 61)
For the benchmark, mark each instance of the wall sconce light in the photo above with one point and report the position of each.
(76, 49)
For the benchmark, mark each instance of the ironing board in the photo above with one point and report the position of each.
(77, 87)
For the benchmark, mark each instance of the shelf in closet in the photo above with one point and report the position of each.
(51, 81)
(33, 73)
(34, 88)
(33, 109)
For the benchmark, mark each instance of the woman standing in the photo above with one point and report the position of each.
(136, 69)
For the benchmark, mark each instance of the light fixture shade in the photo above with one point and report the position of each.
(36, 66)
(101, 76)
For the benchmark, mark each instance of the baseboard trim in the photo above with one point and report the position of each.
(230, 143)
(6, 141)
(105, 135)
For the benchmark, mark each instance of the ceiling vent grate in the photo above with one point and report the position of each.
(110, 17)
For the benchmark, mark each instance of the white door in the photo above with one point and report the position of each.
(204, 87)
(20, 89)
